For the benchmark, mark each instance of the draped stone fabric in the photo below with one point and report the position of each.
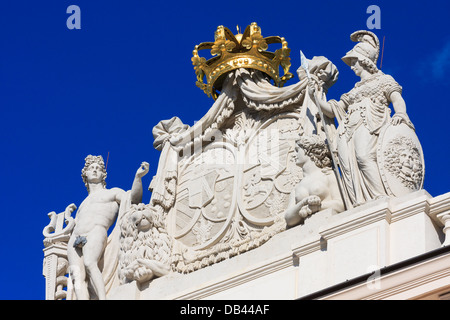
(166, 129)
(260, 94)
(222, 108)
(167, 166)
(110, 261)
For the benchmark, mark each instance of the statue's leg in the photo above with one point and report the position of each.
(92, 252)
(345, 154)
(366, 157)
(77, 271)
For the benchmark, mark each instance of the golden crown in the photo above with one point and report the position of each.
(247, 50)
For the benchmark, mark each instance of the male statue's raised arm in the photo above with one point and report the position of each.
(136, 188)
(95, 216)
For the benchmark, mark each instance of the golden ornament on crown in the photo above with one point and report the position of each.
(231, 52)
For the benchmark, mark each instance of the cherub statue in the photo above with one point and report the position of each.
(94, 217)
(318, 190)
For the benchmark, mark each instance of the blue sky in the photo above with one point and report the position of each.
(65, 93)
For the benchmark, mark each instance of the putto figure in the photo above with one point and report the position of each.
(94, 217)
(318, 190)
(361, 114)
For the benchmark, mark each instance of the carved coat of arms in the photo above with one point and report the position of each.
(230, 189)
(233, 172)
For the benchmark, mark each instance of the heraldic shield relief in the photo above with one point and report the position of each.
(237, 187)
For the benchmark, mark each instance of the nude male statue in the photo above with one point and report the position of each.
(94, 217)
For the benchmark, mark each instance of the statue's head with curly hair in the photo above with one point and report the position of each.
(314, 148)
(94, 171)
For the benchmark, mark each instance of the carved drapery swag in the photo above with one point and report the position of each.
(163, 183)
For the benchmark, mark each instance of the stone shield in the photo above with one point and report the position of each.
(205, 202)
(400, 160)
(238, 185)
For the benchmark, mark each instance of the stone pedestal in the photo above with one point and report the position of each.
(55, 271)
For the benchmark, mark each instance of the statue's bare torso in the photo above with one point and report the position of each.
(99, 209)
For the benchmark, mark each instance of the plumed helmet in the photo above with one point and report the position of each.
(367, 48)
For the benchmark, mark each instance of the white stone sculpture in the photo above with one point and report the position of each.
(55, 268)
(363, 114)
(96, 214)
(445, 220)
(262, 159)
(224, 184)
(145, 246)
(318, 189)
(236, 167)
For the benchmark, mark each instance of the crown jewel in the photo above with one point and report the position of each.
(231, 52)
